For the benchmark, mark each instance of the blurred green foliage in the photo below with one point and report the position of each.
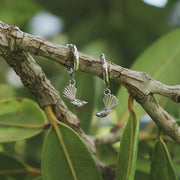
(127, 27)
(17, 12)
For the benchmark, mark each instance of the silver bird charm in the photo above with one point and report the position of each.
(69, 92)
(109, 101)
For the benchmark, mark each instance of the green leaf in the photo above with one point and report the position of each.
(174, 149)
(54, 162)
(86, 88)
(161, 62)
(11, 168)
(6, 91)
(106, 154)
(35, 143)
(128, 150)
(161, 165)
(20, 118)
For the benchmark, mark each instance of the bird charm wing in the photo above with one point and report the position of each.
(110, 100)
(70, 92)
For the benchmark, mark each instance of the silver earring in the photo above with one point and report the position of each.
(109, 99)
(70, 90)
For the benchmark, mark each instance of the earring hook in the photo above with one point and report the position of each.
(105, 71)
(109, 99)
(75, 57)
(70, 90)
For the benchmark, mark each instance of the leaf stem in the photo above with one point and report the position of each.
(33, 170)
(159, 135)
(20, 171)
(146, 136)
(54, 122)
(130, 108)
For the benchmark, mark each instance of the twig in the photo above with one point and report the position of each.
(109, 138)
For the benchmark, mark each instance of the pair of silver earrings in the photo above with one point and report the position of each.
(70, 90)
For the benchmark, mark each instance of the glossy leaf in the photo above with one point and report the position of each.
(128, 150)
(161, 166)
(11, 168)
(161, 62)
(106, 154)
(86, 86)
(54, 162)
(174, 149)
(20, 118)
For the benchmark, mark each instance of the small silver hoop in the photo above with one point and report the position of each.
(72, 82)
(105, 70)
(107, 91)
(70, 70)
(76, 57)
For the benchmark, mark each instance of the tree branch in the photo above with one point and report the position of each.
(36, 81)
(140, 85)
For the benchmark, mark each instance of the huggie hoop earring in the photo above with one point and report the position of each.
(109, 99)
(70, 91)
